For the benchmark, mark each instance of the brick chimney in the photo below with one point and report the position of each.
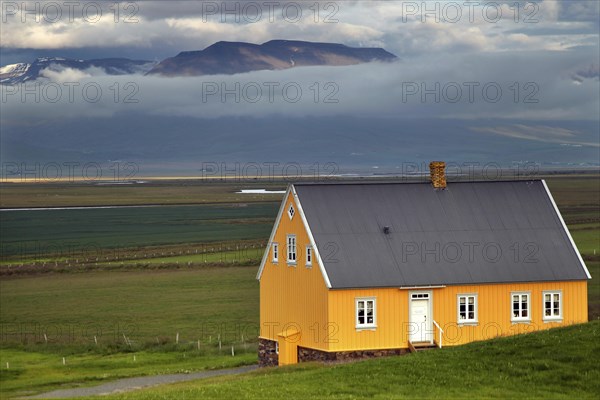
(437, 171)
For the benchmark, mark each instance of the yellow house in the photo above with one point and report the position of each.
(364, 269)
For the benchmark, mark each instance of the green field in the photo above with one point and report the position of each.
(39, 233)
(159, 285)
(556, 364)
(37, 372)
(587, 240)
(149, 308)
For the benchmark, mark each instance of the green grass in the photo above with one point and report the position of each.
(143, 305)
(587, 240)
(594, 290)
(579, 192)
(558, 364)
(149, 308)
(240, 256)
(39, 372)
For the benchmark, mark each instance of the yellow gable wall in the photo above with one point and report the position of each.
(293, 297)
(494, 314)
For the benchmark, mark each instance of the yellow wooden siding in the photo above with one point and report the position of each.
(293, 297)
(391, 313)
(495, 308)
(494, 313)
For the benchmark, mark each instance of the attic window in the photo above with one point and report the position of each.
(291, 249)
(275, 248)
(291, 211)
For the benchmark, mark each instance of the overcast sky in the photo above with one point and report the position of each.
(543, 55)
(158, 29)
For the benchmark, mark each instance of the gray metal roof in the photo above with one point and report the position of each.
(471, 232)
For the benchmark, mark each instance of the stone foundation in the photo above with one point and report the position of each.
(306, 354)
(267, 356)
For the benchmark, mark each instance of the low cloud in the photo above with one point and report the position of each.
(423, 87)
(540, 133)
(593, 73)
(61, 74)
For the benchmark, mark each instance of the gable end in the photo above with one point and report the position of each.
(284, 210)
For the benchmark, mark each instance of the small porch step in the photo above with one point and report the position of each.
(415, 347)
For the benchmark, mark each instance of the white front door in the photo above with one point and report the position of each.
(420, 329)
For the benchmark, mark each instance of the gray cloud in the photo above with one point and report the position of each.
(592, 72)
(540, 133)
(505, 86)
(396, 25)
(546, 70)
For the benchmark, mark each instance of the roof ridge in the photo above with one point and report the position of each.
(392, 182)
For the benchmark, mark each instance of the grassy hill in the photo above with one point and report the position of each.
(560, 363)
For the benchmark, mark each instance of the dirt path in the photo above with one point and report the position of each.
(127, 384)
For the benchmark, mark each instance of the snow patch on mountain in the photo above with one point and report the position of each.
(12, 72)
(61, 69)
(14, 68)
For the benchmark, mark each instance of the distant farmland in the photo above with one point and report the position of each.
(31, 232)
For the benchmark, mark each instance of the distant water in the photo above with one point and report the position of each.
(260, 191)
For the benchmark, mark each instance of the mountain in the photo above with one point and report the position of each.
(220, 58)
(238, 57)
(18, 73)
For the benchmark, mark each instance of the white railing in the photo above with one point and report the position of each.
(441, 333)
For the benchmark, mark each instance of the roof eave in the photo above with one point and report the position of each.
(313, 243)
(566, 230)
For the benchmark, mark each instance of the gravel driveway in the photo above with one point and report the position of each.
(127, 384)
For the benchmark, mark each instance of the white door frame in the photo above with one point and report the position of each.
(429, 310)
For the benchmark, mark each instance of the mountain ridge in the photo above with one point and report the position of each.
(230, 58)
(14, 74)
(222, 57)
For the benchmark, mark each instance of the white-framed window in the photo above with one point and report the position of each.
(552, 306)
(276, 347)
(291, 249)
(366, 313)
(275, 251)
(520, 306)
(467, 308)
(309, 256)
(291, 211)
